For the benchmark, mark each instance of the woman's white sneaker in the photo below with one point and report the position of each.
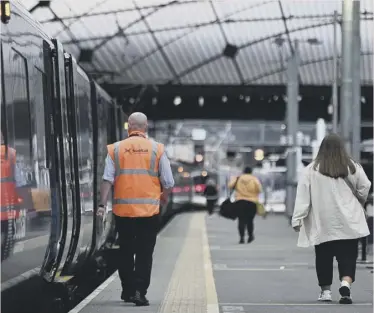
(325, 295)
(345, 293)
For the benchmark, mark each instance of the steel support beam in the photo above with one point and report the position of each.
(287, 33)
(160, 48)
(356, 93)
(235, 62)
(347, 77)
(335, 77)
(292, 122)
(253, 80)
(248, 44)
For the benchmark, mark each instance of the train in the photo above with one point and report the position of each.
(190, 183)
(58, 121)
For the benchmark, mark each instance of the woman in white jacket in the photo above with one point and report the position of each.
(329, 215)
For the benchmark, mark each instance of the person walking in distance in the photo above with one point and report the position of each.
(211, 194)
(247, 190)
(329, 214)
(141, 174)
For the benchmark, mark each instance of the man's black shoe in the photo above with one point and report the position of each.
(127, 298)
(140, 300)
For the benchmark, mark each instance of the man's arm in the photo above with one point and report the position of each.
(302, 201)
(166, 176)
(108, 179)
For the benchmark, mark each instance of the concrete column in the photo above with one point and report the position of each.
(356, 103)
(335, 110)
(346, 97)
(292, 121)
(248, 159)
(320, 134)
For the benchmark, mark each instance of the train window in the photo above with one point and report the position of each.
(18, 112)
(112, 127)
(38, 86)
(85, 137)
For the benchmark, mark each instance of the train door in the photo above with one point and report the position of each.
(74, 171)
(64, 157)
(102, 109)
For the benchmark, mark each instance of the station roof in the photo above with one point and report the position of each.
(183, 42)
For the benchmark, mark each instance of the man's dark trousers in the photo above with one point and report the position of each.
(137, 237)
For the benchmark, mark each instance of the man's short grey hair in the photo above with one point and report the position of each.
(137, 120)
(211, 182)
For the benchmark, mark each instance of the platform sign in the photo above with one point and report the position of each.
(198, 134)
(182, 152)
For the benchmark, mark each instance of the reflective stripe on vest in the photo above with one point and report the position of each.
(10, 207)
(7, 180)
(151, 172)
(137, 201)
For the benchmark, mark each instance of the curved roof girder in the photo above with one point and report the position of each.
(289, 15)
(204, 24)
(218, 56)
(281, 69)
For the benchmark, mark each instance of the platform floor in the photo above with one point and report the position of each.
(200, 267)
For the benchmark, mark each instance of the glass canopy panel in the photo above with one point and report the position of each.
(183, 41)
(182, 15)
(195, 48)
(221, 71)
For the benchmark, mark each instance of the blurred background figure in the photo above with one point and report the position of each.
(211, 194)
(247, 190)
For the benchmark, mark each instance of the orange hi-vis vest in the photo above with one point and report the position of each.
(8, 194)
(137, 187)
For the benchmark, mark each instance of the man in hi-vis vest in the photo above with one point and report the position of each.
(141, 174)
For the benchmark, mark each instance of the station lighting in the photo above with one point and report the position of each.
(5, 11)
(204, 173)
(224, 99)
(199, 157)
(177, 100)
(259, 155)
(132, 100)
(180, 169)
(154, 101)
(247, 99)
(186, 174)
(201, 101)
(126, 126)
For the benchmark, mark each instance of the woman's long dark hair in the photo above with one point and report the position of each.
(332, 159)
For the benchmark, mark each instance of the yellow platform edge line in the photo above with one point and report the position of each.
(210, 285)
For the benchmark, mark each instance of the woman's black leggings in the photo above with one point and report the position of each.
(210, 205)
(345, 252)
(246, 214)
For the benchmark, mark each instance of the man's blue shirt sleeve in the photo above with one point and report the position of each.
(165, 172)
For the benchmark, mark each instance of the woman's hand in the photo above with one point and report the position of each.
(297, 228)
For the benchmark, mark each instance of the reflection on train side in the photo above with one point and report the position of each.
(25, 196)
